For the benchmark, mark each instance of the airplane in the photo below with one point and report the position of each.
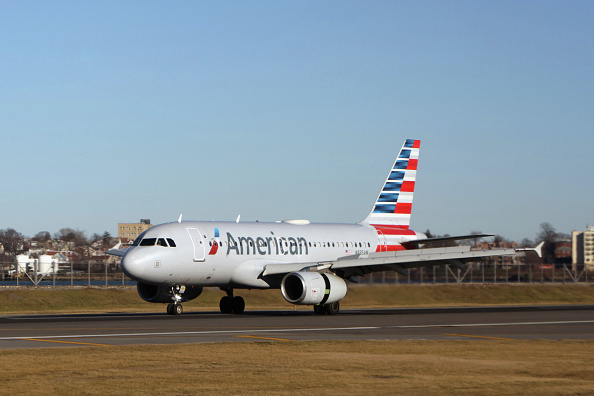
(309, 262)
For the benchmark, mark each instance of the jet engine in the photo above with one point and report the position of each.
(162, 293)
(311, 288)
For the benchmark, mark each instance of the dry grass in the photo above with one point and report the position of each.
(114, 299)
(295, 368)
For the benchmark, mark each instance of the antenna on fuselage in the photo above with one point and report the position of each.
(180, 217)
(237, 221)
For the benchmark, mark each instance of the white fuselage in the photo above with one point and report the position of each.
(230, 254)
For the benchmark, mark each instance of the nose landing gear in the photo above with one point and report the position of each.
(175, 308)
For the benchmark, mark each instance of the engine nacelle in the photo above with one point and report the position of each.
(310, 288)
(162, 293)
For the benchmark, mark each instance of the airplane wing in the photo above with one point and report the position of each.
(398, 261)
(116, 252)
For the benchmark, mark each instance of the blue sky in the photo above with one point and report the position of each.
(114, 111)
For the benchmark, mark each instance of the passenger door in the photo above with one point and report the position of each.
(198, 242)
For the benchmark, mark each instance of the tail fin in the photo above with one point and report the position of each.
(394, 203)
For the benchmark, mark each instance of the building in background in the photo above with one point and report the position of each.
(583, 248)
(563, 253)
(128, 232)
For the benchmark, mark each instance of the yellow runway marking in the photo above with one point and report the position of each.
(64, 342)
(489, 338)
(263, 338)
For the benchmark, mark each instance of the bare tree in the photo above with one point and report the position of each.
(12, 241)
(69, 235)
(527, 243)
(42, 236)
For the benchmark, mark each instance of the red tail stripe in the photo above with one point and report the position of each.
(393, 230)
(403, 208)
(408, 186)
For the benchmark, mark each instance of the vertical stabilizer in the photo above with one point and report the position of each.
(394, 203)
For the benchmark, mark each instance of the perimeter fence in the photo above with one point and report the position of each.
(491, 273)
(82, 273)
(101, 274)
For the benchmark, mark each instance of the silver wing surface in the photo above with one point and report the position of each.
(398, 261)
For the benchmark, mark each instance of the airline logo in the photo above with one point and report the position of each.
(394, 204)
(397, 193)
(267, 246)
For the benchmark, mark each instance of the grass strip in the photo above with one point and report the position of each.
(31, 300)
(485, 367)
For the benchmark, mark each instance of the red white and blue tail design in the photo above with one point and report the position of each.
(394, 203)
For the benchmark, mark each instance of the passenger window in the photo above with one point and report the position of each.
(171, 243)
(148, 242)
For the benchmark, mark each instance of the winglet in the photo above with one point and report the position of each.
(180, 217)
(537, 249)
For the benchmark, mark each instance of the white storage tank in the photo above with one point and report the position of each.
(47, 264)
(22, 262)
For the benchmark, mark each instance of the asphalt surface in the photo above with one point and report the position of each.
(502, 323)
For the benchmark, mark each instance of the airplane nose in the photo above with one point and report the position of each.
(132, 266)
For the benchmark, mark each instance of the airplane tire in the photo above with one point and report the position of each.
(238, 305)
(225, 305)
(333, 308)
(169, 309)
(319, 309)
(177, 309)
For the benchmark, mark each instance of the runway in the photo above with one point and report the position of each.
(493, 323)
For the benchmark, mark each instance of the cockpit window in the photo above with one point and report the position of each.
(137, 240)
(165, 242)
(161, 242)
(148, 242)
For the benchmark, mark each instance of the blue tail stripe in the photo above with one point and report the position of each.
(384, 209)
(404, 154)
(387, 197)
(392, 186)
(401, 164)
(395, 175)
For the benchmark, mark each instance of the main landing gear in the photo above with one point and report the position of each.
(230, 304)
(328, 309)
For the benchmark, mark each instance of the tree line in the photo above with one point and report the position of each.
(15, 243)
(547, 234)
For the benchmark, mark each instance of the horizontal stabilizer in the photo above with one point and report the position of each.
(117, 252)
(452, 238)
